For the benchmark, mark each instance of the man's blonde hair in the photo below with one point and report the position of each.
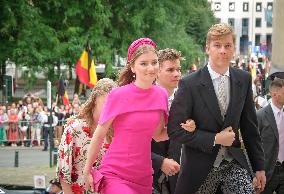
(218, 30)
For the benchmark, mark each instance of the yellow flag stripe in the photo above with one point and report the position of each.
(84, 60)
(92, 73)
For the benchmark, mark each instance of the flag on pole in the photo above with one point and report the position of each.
(62, 92)
(65, 98)
(85, 68)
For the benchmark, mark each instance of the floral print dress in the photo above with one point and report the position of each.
(72, 154)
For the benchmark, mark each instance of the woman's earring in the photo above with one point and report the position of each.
(134, 76)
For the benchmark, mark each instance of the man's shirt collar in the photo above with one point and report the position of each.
(275, 109)
(214, 74)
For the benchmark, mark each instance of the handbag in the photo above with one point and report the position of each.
(98, 179)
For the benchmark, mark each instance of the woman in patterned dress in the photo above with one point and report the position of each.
(76, 139)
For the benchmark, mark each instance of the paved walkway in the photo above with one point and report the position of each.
(32, 161)
(27, 156)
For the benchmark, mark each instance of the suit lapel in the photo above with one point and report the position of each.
(208, 95)
(235, 87)
(271, 119)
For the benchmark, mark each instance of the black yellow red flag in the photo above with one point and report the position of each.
(85, 68)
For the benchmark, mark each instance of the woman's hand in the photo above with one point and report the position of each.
(89, 181)
(189, 125)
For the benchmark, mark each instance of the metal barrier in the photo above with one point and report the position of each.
(21, 132)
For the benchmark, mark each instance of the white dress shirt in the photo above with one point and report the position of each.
(276, 112)
(279, 118)
(216, 78)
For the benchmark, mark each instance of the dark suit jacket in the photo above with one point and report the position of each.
(160, 151)
(196, 99)
(270, 138)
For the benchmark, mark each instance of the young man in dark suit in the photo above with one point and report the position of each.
(166, 155)
(219, 99)
(271, 127)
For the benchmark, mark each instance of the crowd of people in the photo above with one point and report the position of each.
(259, 68)
(27, 123)
(154, 131)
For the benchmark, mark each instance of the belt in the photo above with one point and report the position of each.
(278, 163)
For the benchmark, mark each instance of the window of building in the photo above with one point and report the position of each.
(231, 6)
(270, 6)
(257, 22)
(268, 14)
(245, 26)
(245, 7)
(217, 6)
(258, 7)
(243, 44)
(245, 22)
(257, 40)
(231, 22)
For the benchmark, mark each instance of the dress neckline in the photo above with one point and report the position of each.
(137, 88)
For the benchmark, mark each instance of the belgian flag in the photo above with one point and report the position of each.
(62, 92)
(85, 68)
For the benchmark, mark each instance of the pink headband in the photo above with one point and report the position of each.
(137, 43)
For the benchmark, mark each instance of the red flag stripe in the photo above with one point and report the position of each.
(83, 74)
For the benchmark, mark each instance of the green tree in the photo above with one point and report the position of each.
(200, 19)
(76, 23)
(26, 40)
(10, 23)
(42, 35)
(164, 21)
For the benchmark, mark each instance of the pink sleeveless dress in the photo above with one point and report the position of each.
(127, 166)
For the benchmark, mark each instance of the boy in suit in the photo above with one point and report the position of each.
(219, 99)
(166, 154)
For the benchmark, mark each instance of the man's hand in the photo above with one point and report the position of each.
(189, 125)
(170, 167)
(225, 137)
(259, 181)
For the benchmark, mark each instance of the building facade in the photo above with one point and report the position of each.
(252, 22)
(278, 38)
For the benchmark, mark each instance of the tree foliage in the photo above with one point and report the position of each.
(42, 35)
(200, 19)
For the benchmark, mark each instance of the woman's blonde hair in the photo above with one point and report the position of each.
(103, 87)
(126, 76)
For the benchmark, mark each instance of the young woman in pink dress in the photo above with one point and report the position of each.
(138, 112)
